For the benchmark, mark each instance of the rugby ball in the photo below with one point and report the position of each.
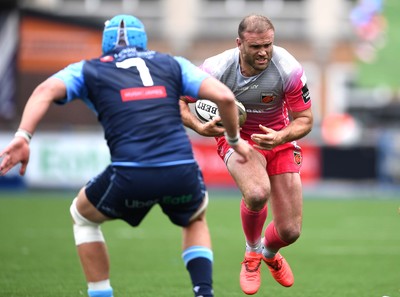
(207, 110)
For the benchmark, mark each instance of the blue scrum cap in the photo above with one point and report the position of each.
(126, 29)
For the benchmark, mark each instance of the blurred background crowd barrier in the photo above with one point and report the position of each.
(349, 49)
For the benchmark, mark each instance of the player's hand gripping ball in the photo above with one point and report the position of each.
(207, 110)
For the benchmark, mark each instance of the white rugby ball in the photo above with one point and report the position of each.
(207, 110)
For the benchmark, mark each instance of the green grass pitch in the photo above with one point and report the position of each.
(348, 248)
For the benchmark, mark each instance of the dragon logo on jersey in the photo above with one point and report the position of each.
(298, 158)
(267, 97)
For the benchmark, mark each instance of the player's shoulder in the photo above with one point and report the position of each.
(169, 60)
(216, 65)
(285, 61)
(187, 67)
(182, 61)
(71, 70)
(282, 53)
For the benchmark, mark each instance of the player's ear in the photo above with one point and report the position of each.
(238, 42)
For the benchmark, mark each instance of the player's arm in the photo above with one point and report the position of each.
(191, 121)
(42, 97)
(221, 95)
(198, 84)
(299, 127)
(36, 107)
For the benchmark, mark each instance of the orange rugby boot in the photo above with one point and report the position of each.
(250, 279)
(280, 270)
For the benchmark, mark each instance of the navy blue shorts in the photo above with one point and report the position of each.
(128, 193)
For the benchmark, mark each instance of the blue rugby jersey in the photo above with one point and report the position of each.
(135, 95)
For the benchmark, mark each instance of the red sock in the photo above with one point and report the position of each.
(272, 240)
(252, 222)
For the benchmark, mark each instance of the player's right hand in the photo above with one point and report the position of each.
(244, 149)
(16, 152)
(212, 128)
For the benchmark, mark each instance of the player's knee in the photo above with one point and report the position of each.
(289, 234)
(200, 213)
(85, 231)
(257, 198)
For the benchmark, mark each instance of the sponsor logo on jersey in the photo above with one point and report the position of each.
(306, 93)
(170, 200)
(107, 59)
(245, 88)
(267, 97)
(297, 157)
(143, 93)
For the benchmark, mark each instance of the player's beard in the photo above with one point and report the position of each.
(251, 65)
(256, 67)
(261, 63)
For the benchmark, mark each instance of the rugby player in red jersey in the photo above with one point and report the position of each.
(272, 86)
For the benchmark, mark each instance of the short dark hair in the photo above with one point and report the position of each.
(255, 23)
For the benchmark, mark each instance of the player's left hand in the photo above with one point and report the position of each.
(268, 140)
(16, 152)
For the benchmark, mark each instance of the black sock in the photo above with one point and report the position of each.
(200, 270)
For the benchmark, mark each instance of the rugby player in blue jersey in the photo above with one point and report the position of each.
(135, 93)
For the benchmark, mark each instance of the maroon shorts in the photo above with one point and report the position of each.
(282, 159)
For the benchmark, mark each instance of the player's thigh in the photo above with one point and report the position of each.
(87, 209)
(287, 200)
(251, 177)
(183, 197)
